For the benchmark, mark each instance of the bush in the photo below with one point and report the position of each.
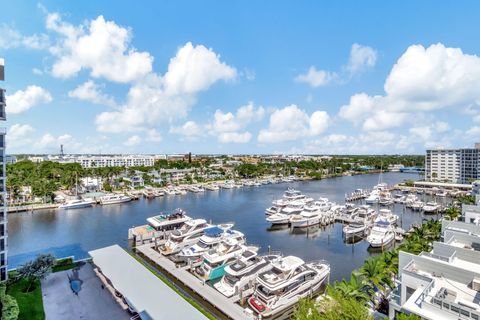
(10, 309)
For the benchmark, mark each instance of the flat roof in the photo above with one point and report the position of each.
(443, 184)
(145, 292)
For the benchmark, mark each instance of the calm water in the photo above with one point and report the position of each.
(75, 232)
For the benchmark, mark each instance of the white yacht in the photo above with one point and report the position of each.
(76, 204)
(228, 185)
(278, 218)
(311, 215)
(385, 199)
(430, 207)
(294, 207)
(417, 205)
(187, 235)
(241, 274)
(289, 196)
(164, 222)
(373, 197)
(169, 191)
(387, 215)
(355, 229)
(273, 209)
(211, 239)
(381, 234)
(114, 198)
(217, 259)
(282, 286)
(212, 187)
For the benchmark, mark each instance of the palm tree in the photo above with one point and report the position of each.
(353, 289)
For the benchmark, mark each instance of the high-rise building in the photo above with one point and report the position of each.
(453, 165)
(3, 194)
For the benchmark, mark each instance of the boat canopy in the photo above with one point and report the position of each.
(214, 231)
(383, 223)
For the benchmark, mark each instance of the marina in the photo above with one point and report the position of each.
(75, 232)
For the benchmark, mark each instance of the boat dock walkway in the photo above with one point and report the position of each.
(225, 305)
(32, 207)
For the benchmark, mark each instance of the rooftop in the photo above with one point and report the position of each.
(152, 298)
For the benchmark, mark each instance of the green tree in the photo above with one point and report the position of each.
(37, 269)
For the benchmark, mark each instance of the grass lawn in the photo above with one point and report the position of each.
(30, 304)
(64, 264)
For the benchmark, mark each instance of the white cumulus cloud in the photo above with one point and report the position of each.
(361, 58)
(23, 100)
(133, 141)
(316, 78)
(11, 38)
(100, 46)
(92, 92)
(292, 123)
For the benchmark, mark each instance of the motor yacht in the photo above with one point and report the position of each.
(385, 199)
(289, 196)
(216, 260)
(289, 279)
(373, 197)
(278, 218)
(76, 204)
(294, 207)
(387, 215)
(273, 209)
(417, 205)
(381, 235)
(211, 239)
(186, 236)
(241, 274)
(355, 229)
(114, 199)
(311, 215)
(430, 207)
(165, 222)
(212, 187)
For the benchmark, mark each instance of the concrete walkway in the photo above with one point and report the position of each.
(92, 302)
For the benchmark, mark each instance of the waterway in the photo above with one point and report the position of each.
(75, 232)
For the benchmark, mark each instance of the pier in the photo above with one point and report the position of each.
(227, 306)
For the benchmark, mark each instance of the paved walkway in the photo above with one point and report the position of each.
(92, 302)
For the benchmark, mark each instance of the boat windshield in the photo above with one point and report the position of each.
(231, 280)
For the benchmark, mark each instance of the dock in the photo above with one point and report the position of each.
(226, 306)
(31, 207)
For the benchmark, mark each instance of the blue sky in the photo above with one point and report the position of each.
(241, 77)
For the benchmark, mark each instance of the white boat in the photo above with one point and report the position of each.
(216, 260)
(114, 199)
(76, 204)
(387, 215)
(289, 280)
(169, 191)
(373, 197)
(186, 236)
(294, 207)
(417, 205)
(272, 210)
(240, 275)
(228, 185)
(311, 215)
(171, 221)
(212, 187)
(381, 234)
(278, 218)
(355, 229)
(289, 196)
(212, 237)
(385, 199)
(430, 207)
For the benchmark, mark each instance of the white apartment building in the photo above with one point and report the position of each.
(453, 165)
(115, 161)
(444, 283)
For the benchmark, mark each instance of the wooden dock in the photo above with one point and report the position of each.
(225, 305)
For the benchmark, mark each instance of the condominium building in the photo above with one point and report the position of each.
(114, 161)
(3, 194)
(443, 283)
(453, 165)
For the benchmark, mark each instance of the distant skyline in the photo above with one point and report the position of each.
(237, 77)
